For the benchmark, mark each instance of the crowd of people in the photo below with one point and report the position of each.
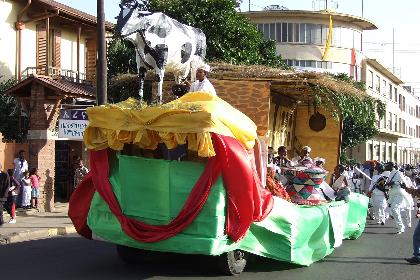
(393, 189)
(19, 187)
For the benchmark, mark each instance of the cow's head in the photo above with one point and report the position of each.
(129, 18)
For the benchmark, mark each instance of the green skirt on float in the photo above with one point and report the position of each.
(154, 191)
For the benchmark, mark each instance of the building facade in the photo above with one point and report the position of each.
(302, 39)
(50, 49)
(46, 37)
(302, 36)
(399, 131)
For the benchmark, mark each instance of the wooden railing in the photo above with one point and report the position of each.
(57, 72)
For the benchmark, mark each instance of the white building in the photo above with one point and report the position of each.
(301, 38)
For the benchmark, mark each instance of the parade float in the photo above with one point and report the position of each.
(208, 199)
(188, 176)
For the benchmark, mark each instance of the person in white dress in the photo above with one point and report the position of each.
(378, 195)
(20, 165)
(202, 83)
(26, 190)
(398, 199)
(303, 158)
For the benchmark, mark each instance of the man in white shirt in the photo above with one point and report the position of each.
(20, 166)
(202, 83)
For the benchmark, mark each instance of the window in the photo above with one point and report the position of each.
(316, 34)
(266, 31)
(390, 152)
(278, 32)
(290, 28)
(284, 32)
(390, 121)
(309, 28)
(395, 123)
(302, 34)
(400, 102)
(273, 31)
(395, 94)
(378, 84)
(395, 154)
(384, 87)
(324, 34)
(297, 32)
(336, 38)
(390, 91)
(383, 152)
(370, 152)
(370, 81)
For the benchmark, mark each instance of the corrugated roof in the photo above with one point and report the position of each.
(74, 13)
(64, 87)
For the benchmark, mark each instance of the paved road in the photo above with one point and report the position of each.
(376, 255)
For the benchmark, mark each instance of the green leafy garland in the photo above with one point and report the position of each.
(359, 113)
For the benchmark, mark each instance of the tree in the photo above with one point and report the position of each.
(9, 113)
(231, 37)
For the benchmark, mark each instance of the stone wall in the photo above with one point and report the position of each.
(42, 121)
(325, 143)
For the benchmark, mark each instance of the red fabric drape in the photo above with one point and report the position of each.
(247, 201)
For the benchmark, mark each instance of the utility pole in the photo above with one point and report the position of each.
(393, 52)
(249, 5)
(101, 69)
(362, 8)
(326, 4)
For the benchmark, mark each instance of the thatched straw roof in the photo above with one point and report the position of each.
(299, 85)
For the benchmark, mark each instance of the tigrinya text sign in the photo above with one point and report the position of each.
(72, 123)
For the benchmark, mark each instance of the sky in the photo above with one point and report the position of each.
(399, 17)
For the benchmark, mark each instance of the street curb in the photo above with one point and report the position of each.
(36, 234)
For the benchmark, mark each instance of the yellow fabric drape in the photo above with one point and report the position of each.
(327, 46)
(190, 118)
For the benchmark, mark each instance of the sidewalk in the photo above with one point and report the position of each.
(33, 225)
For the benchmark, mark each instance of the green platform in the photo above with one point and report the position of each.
(154, 191)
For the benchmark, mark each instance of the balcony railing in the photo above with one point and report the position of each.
(56, 72)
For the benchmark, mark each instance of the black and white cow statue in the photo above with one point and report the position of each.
(161, 43)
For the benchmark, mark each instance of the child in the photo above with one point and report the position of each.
(35, 187)
(340, 184)
(12, 196)
(26, 190)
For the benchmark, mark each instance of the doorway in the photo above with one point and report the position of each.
(62, 171)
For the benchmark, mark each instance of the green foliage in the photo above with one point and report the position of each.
(121, 60)
(344, 159)
(359, 113)
(121, 57)
(231, 37)
(9, 113)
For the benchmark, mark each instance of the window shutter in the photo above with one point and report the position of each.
(90, 59)
(57, 48)
(41, 47)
